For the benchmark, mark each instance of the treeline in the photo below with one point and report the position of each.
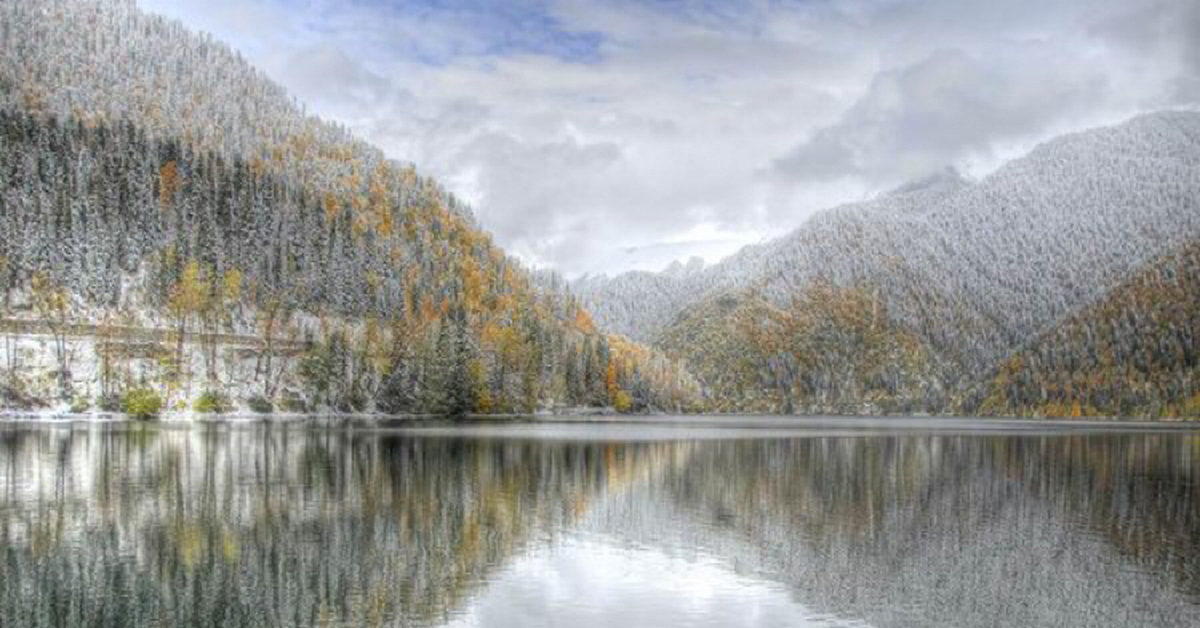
(404, 303)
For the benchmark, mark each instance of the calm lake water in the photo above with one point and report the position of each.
(666, 523)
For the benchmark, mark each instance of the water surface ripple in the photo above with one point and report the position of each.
(669, 522)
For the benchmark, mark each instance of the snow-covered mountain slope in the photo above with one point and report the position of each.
(108, 61)
(149, 175)
(976, 268)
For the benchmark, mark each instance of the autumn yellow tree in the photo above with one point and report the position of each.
(215, 315)
(168, 183)
(10, 338)
(274, 314)
(189, 299)
(52, 302)
(106, 349)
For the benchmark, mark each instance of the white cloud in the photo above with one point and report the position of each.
(582, 131)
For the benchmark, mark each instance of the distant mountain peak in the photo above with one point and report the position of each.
(676, 268)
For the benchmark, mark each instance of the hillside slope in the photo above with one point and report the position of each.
(833, 350)
(1133, 353)
(106, 61)
(150, 178)
(719, 338)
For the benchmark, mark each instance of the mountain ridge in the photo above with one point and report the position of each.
(754, 265)
(976, 273)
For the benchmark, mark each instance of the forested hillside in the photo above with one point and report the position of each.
(1135, 352)
(107, 61)
(151, 180)
(831, 350)
(966, 271)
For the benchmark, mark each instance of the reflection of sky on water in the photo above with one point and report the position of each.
(593, 581)
(599, 524)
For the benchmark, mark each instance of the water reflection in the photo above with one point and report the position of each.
(126, 525)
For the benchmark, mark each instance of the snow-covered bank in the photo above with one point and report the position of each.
(64, 415)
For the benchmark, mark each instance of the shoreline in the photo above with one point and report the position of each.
(579, 417)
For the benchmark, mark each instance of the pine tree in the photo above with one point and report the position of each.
(459, 396)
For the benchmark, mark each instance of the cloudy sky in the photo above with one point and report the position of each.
(599, 136)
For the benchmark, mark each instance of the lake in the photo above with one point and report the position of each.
(661, 522)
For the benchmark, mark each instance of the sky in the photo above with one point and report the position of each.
(598, 136)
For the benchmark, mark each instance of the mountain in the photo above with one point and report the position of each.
(918, 195)
(1134, 352)
(172, 221)
(639, 304)
(972, 270)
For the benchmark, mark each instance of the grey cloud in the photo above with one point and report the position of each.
(1152, 24)
(1162, 31)
(1187, 29)
(920, 118)
(1185, 91)
(534, 182)
(325, 74)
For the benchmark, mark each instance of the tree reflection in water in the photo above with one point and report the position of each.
(128, 525)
